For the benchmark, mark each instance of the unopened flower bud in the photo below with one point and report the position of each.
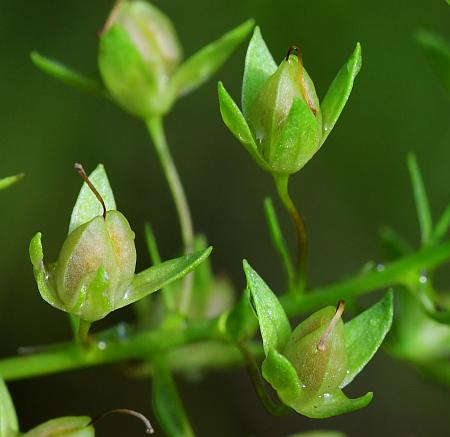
(138, 52)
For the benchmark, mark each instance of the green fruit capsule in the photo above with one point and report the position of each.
(285, 117)
(316, 349)
(139, 50)
(95, 266)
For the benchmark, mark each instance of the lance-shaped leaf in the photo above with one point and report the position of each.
(364, 335)
(259, 66)
(203, 64)
(339, 92)
(87, 205)
(441, 227)
(76, 426)
(8, 419)
(273, 322)
(166, 402)
(420, 199)
(67, 76)
(235, 121)
(437, 50)
(161, 275)
(10, 180)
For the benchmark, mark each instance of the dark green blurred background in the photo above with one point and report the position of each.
(356, 183)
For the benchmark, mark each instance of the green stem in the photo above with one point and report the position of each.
(281, 182)
(83, 332)
(258, 383)
(156, 130)
(142, 345)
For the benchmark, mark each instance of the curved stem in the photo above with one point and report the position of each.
(83, 332)
(258, 383)
(156, 130)
(281, 182)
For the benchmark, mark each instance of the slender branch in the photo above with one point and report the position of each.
(156, 130)
(258, 383)
(281, 183)
(141, 345)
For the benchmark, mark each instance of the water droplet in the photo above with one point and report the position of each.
(101, 345)
(423, 279)
(380, 267)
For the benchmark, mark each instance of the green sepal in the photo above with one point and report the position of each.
(9, 426)
(203, 64)
(300, 133)
(364, 335)
(281, 375)
(331, 404)
(236, 123)
(10, 180)
(68, 76)
(161, 275)
(42, 276)
(87, 205)
(339, 92)
(437, 50)
(92, 304)
(166, 403)
(259, 66)
(273, 322)
(76, 426)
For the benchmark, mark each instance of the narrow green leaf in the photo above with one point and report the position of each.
(10, 180)
(339, 92)
(203, 64)
(259, 66)
(87, 205)
(8, 419)
(161, 275)
(420, 199)
(64, 426)
(437, 50)
(235, 121)
(441, 227)
(365, 333)
(167, 404)
(67, 76)
(273, 322)
(278, 239)
(240, 322)
(394, 244)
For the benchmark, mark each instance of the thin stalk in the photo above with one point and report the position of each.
(83, 332)
(156, 131)
(258, 383)
(143, 344)
(281, 183)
